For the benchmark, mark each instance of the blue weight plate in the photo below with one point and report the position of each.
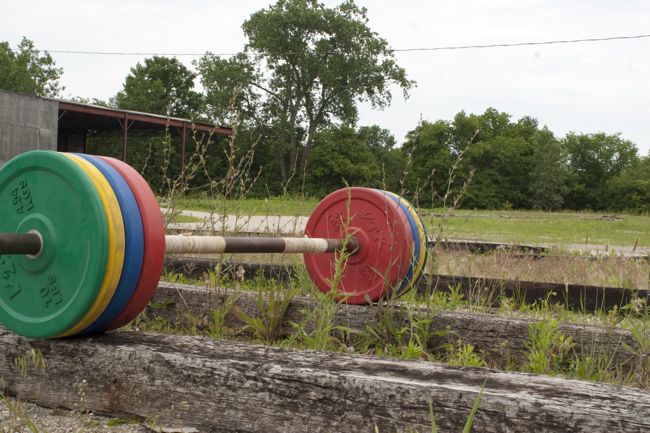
(134, 251)
(416, 241)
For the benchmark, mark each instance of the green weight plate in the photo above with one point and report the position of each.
(46, 295)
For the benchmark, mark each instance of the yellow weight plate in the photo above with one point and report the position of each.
(116, 245)
(423, 241)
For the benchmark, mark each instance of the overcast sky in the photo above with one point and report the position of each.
(585, 87)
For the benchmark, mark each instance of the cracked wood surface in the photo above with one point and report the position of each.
(224, 386)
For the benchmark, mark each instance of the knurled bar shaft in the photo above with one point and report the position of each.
(178, 244)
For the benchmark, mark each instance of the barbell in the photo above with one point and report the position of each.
(82, 244)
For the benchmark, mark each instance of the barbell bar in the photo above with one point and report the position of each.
(82, 244)
(31, 244)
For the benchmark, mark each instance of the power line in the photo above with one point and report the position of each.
(523, 44)
(397, 50)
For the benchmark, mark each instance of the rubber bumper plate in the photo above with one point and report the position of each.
(134, 244)
(154, 243)
(47, 193)
(385, 244)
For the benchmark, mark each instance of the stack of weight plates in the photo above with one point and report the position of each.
(103, 244)
(392, 242)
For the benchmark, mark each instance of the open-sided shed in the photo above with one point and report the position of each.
(29, 122)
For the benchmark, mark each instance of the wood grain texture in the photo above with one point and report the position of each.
(221, 386)
(499, 339)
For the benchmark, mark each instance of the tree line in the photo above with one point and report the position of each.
(292, 95)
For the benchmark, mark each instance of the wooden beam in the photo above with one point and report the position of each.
(501, 340)
(576, 297)
(225, 386)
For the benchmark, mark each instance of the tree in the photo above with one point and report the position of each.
(341, 156)
(429, 146)
(29, 71)
(390, 160)
(500, 158)
(514, 163)
(593, 160)
(229, 98)
(308, 66)
(631, 189)
(161, 85)
(502, 167)
(548, 177)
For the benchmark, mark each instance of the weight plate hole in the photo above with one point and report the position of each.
(33, 256)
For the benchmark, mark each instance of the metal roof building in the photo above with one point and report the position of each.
(30, 122)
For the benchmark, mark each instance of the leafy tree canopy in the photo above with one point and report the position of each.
(631, 189)
(306, 66)
(594, 159)
(28, 70)
(341, 157)
(161, 85)
(510, 163)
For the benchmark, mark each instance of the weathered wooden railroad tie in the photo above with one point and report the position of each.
(500, 339)
(82, 244)
(224, 386)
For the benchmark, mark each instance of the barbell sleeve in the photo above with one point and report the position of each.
(20, 243)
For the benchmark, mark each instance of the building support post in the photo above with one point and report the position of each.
(125, 137)
(183, 136)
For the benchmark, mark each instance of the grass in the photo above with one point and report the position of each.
(180, 218)
(553, 228)
(251, 206)
(18, 420)
(567, 269)
(548, 350)
(408, 336)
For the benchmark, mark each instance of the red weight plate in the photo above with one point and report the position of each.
(386, 244)
(154, 243)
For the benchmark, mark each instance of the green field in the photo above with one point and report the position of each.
(251, 206)
(528, 227)
(554, 228)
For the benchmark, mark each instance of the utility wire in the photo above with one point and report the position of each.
(524, 44)
(397, 50)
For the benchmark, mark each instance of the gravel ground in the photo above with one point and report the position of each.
(21, 417)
